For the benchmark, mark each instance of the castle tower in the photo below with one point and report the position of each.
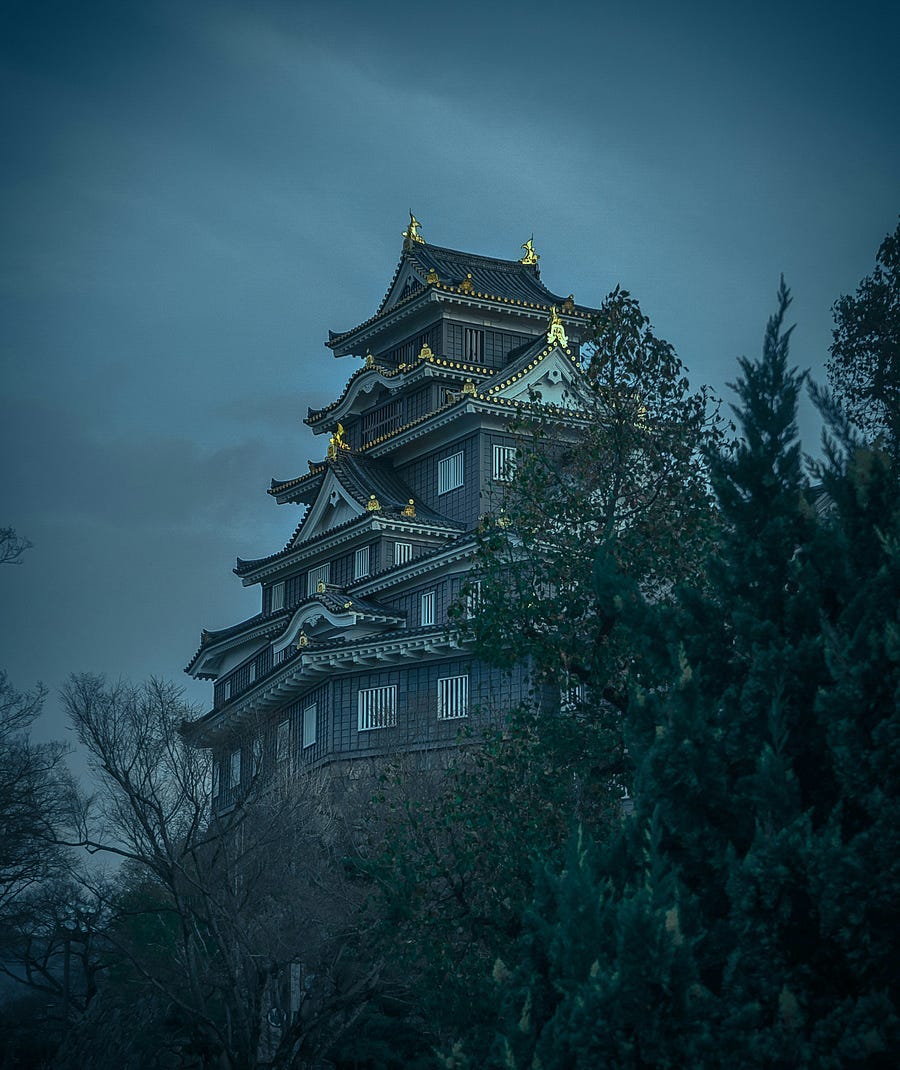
(351, 654)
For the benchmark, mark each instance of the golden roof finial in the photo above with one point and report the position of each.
(556, 332)
(411, 234)
(410, 508)
(337, 442)
(469, 388)
(432, 278)
(425, 352)
(530, 257)
(373, 505)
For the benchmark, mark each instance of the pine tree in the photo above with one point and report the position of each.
(745, 915)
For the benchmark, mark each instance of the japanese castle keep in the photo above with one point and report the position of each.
(352, 654)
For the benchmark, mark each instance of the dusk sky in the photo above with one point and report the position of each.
(194, 193)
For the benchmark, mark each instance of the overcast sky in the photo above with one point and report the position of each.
(194, 193)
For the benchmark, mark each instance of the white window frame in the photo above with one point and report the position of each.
(473, 599)
(426, 608)
(277, 597)
(309, 725)
(317, 575)
(451, 472)
(503, 467)
(362, 562)
(403, 553)
(377, 708)
(472, 344)
(453, 697)
(282, 742)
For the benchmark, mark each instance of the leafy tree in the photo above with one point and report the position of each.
(864, 368)
(608, 500)
(744, 914)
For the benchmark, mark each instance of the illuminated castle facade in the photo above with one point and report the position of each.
(352, 654)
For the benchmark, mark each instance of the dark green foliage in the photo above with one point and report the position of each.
(864, 368)
(602, 508)
(746, 914)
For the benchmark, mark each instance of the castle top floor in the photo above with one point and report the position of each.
(463, 306)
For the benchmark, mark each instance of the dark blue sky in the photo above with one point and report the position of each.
(192, 194)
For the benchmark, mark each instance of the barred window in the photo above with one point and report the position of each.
(282, 741)
(450, 473)
(361, 563)
(504, 466)
(309, 725)
(277, 596)
(426, 608)
(453, 697)
(473, 344)
(473, 598)
(402, 552)
(377, 707)
(317, 576)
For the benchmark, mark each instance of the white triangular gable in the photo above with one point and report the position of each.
(334, 505)
(554, 377)
(406, 275)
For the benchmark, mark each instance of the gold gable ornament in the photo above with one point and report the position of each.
(320, 587)
(373, 505)
(337, 442)
(569, 304)
(425, 352)
(466, 286)
(468, 389)
(410, 508)
(556, 332)
(432, 278)
(302, 641)
(530, 257)
(370, 360)
(411, 234)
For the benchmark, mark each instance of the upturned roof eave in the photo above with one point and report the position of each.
(344, 343)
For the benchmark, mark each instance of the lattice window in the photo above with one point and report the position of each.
(426, 608)
(504, 466)
(377, 708)
(361, 563)
(473, 598)
(283, 741)
(473, 345)
(317, 576)
(453, 697)
(309, 725)
(403, 553)
(277, 600)
(382, 421)
(451, 472)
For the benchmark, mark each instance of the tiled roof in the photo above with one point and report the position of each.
(507, 281)
(452, 367)
(209, 637)
(362, 476)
